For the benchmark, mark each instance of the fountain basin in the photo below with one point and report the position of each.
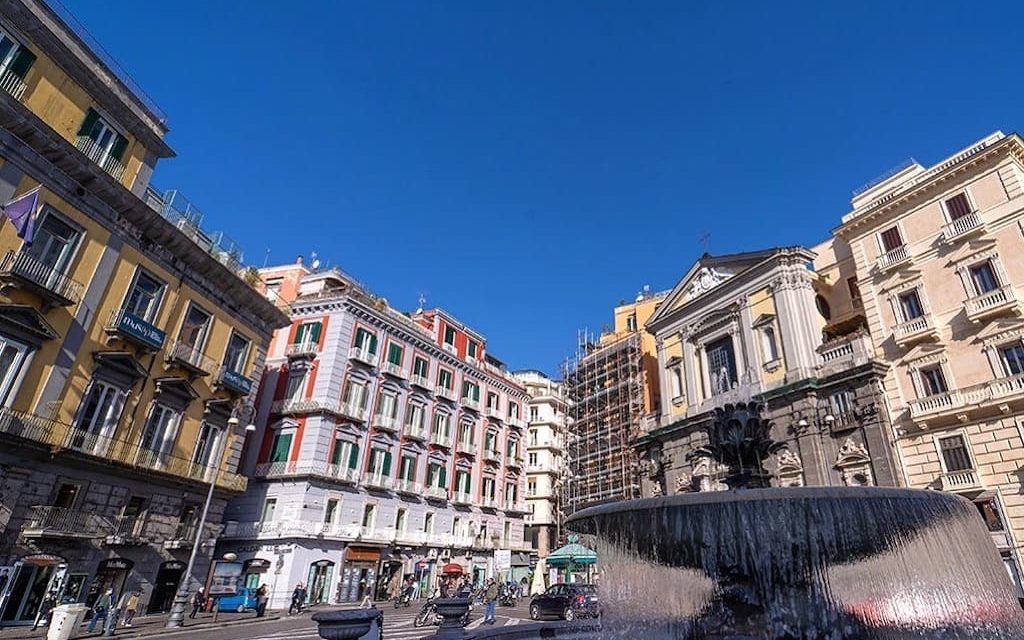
(808, 563)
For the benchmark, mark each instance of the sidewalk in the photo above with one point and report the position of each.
(149, 626)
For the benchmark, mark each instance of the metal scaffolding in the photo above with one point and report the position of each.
(604, 389)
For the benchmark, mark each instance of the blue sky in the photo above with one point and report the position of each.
(528, 164)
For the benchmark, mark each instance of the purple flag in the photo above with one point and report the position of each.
(22, 212)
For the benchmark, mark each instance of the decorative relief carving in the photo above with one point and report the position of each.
(706, 279)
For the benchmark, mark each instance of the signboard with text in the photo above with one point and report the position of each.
(502, 559)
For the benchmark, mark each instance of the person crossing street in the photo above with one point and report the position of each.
(490, 601)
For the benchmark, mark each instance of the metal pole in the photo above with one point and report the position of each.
(177, 617)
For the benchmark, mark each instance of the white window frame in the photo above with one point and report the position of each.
(970, 202)
(153, 310)
(201, 346)
(11, 381)
(112, 417)
(967, 446)
(168, 430)
(245, 352)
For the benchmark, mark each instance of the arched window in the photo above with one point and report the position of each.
(823, 308)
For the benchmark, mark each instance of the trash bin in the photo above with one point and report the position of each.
(81, 612)
(63, 622)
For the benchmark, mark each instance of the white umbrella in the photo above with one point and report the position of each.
(538, 585)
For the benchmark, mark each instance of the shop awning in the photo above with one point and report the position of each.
(362, 554)
(573, 553)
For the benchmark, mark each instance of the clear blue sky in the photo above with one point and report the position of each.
(528, 164)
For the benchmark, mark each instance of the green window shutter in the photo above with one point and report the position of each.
(476, 392)
(387, 463)
(444, 477)
(353, 457)
(91, 117)
(336, 454)
(118, 148)
(317, 327)
(373, 343)
(360, 336)
(22, 62)
(282, 447)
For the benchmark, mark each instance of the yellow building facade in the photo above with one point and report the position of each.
(130, 344)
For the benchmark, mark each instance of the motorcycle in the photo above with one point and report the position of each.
(403, 599)
(428, 615)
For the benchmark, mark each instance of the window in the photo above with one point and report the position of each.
(854, 288)
(442, 424)
(161, 429)
(512, 449)
(101, 409)
(144, 296)
(933, 382)
(533, 437)
(206, 446)
(369, 514)
(104, 142)
(1013, 359)
(380, 463)
(437, 475)
(407, 469)
(401, 519)
(269, 506)
(194, 327)
(491, 442)
(824, 308)
(631, 322)
(420, 367)
(989, 511)
(513, 410)
(237, 353)
(457, 527)
(910, 305)
(958, 206)
(531, 488)
(387, 405)
(66, 496)
(534, 414)
(444, 379)
(471, 390)
(449, 336)
(14, 57)
(511, 492)
(532, 457)
(281, 446)
(428, 523)
(296, 387)
(721, 365)
(492, 400)
(12, 357)
(463, 481)
(769, 345)
(414, 415)
(186, 522)
(345, 452)
(466, 434)
(676, 375)
(841, 403)
(331, 511)
(308, 333)
(954, 453)
(54, 242)
(984, 278)
(396, 354)
(355, 393)
(366, 341)
(891, 239)
(489, 488)
(472, 349)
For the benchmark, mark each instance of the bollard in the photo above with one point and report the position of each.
(347, 624)
(451, 611)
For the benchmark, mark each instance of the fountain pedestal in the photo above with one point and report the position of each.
(451, 611)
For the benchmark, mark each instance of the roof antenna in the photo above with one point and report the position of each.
(316, 261)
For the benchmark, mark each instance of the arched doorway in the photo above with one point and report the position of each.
(319, 583)
(110, 574)
(165, 586)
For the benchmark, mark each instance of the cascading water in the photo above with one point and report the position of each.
(811, 563)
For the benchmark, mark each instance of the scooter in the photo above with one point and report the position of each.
(403, 599)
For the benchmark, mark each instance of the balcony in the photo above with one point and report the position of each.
(58, 522)
(233, 381)
(462, 498)
(21, 424)
(444, 392)
(411, 432)
(184, 537)
(963, 480)
(915, 330)
(363, 355)
(385, 423)
(293, 469)
(435, 493)
(513, 461)
(490, 503)
(894, 258)
(450, 348)
(101, 156)
(513, 506)
(190, 358)
(845, 352)
(441, 440)
(126, 531)
(494, 413)
(395, 370)
(377, 534)
(492, 456)
(466, 447)
(422, 382)
(963, 227)
(305, 350)
(13, 84)
(130, 327)
(21, 269)
(471, 403)
(302, 406)
(414, 538)
(992, 303)
(996, 392)
(377, 481)
(515, 423)
(408, 487)
(354, 411)
(537, 468)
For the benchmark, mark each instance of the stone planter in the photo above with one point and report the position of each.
(346, 624)
(451, 611)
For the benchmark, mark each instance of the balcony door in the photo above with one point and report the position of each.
(12, 356)
(98, 417)
(159, 433)
(194, 328)
(52, 247)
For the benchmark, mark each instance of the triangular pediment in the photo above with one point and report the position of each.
(705, 275)
(968, 250)
(924, 354)
(23, 319)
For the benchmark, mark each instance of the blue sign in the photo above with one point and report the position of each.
(137, 328)
(235, 381)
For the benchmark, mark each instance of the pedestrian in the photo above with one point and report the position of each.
(101, 609)
(198, 601)
(490, 601)
(298, 596)
(130, 607)
(262, 596)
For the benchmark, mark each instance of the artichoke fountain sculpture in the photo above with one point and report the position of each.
(739, 440)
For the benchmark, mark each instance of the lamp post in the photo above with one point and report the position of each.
(177, 617)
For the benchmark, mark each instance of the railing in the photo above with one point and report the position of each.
(304, 405)
(411, 537)
(393, 369)
(140, 331)
(435, 493)
(979, 305)
(846, 352)
(420, 381)
(125, 529)
(444, 392)
(43, 277)
(385, 423)
(413, 433)
(470, 403)
(441, 440)
(461, 497)
(913, 328)
(959, 480)
(961, 225)
(353, 411)
(190, 356)
(377, 481)
(1009, 386)
(61, 522)
(450, 348)
(184, 535)
(304, 349)
(491, 455)
(232, 380)
(934, 403)
(490, 503)
(363, 355)
(514, 506)
(513, 461)
(516, 423)
(100, 156)
(465, 447)
(13, 84)
(410, 487)
(537, 468)
(893, 257)
(291, 468)
(26, 425)
(494, 412)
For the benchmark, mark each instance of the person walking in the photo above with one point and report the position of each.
(130, 606)
(298, 595)
(198, 601)
(101, 609)
(262, 596)
(490, 601)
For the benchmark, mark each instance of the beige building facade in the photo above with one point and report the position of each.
(932, 258)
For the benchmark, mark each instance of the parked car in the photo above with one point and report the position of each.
(244, 599)
(568, 601)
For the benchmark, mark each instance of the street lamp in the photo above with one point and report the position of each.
(177, 617)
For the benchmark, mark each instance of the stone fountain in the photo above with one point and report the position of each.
(808, 563)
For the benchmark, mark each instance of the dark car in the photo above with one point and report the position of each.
(568, 601)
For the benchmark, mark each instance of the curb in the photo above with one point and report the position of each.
(164, 632)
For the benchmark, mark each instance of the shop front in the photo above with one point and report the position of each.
(110, 574)
(359, 575)
(254, 572)
(165, 586)
(24, 585)
(318, 584)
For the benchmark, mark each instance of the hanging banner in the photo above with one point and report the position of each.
(502, 559)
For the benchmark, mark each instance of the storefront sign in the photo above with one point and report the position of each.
(502, 559)
(173, 565)
(362, 554)
(114, 564)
